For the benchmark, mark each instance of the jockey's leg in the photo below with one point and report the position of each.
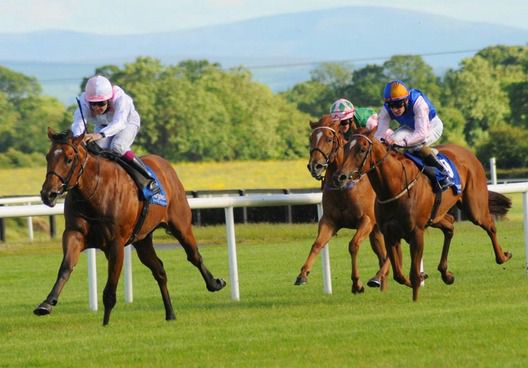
(431, 160)
(131, 158)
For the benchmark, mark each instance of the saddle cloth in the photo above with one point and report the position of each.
(450, 168)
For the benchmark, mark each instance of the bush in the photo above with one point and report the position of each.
(13, 158)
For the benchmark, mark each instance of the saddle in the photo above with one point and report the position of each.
(433, 172)
(140, 180)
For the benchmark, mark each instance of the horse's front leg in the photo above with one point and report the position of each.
(325, 232)
(73, 242)
(115, 255)
(416, 246)
(446, 225)
(378, 246)
(396, 259)
(364, 228)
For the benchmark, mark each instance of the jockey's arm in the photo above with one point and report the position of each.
(384, 120)
(421, 124)
(118, 123)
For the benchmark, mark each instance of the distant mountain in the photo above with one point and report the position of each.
(265, 45)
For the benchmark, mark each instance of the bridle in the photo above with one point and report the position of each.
(359, 172)
(327, 157)
(375, 164)
(66, 180)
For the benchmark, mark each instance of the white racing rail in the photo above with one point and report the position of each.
(228, 203)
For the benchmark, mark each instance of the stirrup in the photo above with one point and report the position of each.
(153, 187)
(445, 183)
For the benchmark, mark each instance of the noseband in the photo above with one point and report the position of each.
(66, 180)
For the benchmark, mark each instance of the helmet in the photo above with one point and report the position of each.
(98, 88)
(342, 109)
(395, 90)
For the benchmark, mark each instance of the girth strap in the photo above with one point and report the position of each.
(139, 223)
(436, 204)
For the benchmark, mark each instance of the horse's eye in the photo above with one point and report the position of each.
(69, 161)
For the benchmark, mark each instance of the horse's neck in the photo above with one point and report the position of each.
(98, 178)
(390, 176)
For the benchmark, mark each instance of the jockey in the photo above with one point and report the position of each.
(419, 128)
(352, 117)
(116, 124)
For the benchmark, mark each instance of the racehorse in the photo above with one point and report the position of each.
(405, 203)
(351, 208)
(101, 210)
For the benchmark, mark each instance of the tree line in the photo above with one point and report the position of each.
(197, 111)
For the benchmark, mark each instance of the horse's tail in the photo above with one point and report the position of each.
(498, 204)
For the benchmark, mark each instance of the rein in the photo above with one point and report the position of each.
(375, 164)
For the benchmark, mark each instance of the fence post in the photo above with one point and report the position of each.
(129, 293)
(53, 226)
(325, 259)
(2, 228)
(493, 171)
(92, 279)
(231, 252)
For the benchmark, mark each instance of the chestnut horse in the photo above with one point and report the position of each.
(101, 210)
(351, 208)
(405, 200)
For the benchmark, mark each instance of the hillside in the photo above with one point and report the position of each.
(268, 45)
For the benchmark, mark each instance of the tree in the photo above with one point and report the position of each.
(509, 146)
(474, 91)
(368, 85)
(415, 72)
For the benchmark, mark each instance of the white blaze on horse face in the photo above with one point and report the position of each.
(352, 143)
(318, 137)
(57, 152)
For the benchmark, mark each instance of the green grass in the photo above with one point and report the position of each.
(479, 321)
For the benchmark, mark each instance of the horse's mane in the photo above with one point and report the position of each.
(62, 137)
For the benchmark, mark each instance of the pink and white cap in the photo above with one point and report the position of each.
(98, 88)
(342, 109)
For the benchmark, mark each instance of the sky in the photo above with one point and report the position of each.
(141, 16)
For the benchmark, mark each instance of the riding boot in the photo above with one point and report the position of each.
(446, 181)
(139, 165)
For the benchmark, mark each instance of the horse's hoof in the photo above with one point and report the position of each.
(358, 290)
(43, 309)
(374, 283)
(219, 284)
(424, 276)
(301, 280)
(171, 317)
(448, 278)
(507, 257)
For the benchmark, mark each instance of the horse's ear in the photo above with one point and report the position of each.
(313, 124)
(51, 133)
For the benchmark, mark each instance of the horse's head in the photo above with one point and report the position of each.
(324, 142)
(65, 164)
(358, 157)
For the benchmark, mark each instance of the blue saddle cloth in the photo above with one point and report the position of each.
(158, 198)
(450, 168)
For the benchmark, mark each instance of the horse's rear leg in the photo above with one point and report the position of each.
(477, 211)
(326, 231)
(183, 232)
(446, 225)
(73, 243)
(147, 255)
(115, 255)
(378, 246)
